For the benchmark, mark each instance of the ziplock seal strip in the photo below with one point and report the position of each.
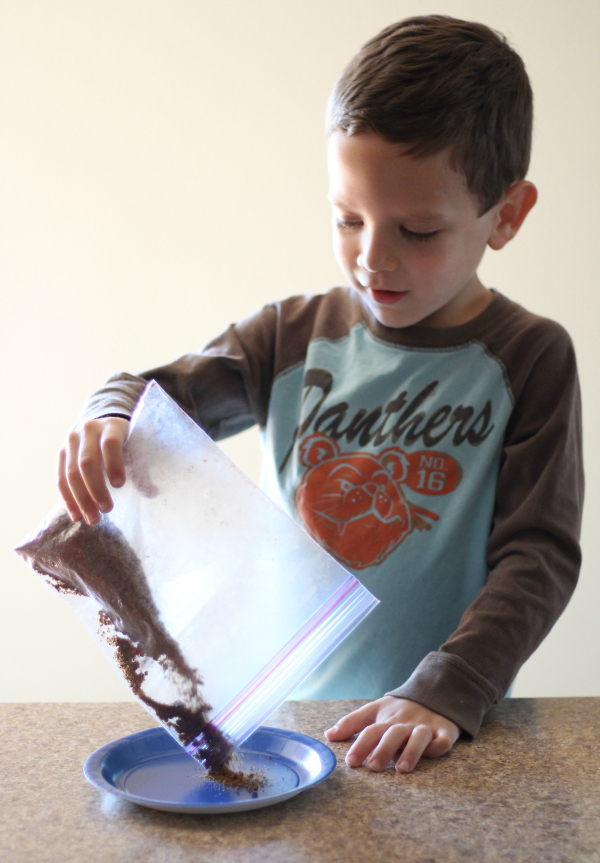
(319, 636)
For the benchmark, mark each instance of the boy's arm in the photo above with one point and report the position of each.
(534, 558)
(533, 549)
(225, 389)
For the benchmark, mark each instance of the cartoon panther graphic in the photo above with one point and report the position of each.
(354, 505)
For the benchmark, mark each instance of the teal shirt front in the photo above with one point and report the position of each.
(389, 456)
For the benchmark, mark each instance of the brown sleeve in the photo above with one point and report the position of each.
(533, 549)
(225, 388)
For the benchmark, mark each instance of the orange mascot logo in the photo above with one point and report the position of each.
(354, 503)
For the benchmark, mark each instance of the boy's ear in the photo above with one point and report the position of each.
(511, 212)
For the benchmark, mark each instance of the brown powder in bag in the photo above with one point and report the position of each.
(97, 561)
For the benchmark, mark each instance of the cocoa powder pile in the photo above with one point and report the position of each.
(228, 774)
(97, 561)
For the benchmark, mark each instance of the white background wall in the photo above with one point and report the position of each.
(162, 173)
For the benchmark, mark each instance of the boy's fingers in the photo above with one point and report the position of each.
(442, 742)
(65, 491)
(78, 487)
(353, 722)
(366, 742)
(392, 740)
(81, 479)
(111, 442)
(417, 743)
(90, 466)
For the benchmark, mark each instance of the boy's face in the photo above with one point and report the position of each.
(407, 232)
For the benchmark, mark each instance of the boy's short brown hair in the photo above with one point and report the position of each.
(434, 82)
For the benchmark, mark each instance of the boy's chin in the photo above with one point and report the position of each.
(396, 322)
(393, 315)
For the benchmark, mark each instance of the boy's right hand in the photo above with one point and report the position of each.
(90, 447)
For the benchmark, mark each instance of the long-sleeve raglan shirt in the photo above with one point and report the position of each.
(442, 466)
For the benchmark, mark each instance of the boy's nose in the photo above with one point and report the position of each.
(377, 255)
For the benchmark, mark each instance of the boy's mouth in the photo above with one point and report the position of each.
(387, 298)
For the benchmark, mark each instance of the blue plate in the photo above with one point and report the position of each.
(151, 769)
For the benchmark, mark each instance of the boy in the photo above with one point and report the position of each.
(424, 429)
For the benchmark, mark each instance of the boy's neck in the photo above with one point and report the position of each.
(466, 306)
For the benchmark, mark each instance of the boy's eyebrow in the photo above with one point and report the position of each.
(426, 217)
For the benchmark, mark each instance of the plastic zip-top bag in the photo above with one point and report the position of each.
(210, 601)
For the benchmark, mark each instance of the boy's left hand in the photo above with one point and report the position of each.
(391, 724)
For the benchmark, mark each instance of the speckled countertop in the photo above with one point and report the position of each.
(528, 789)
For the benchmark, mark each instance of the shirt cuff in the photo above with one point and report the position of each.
(446, 684)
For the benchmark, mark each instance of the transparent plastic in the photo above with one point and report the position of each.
(246, 603)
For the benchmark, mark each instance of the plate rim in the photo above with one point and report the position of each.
(92, 770)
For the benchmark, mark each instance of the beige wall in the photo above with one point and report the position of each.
(162, 172)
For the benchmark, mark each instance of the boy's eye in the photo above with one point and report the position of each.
(348, 224)
(417, 237)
